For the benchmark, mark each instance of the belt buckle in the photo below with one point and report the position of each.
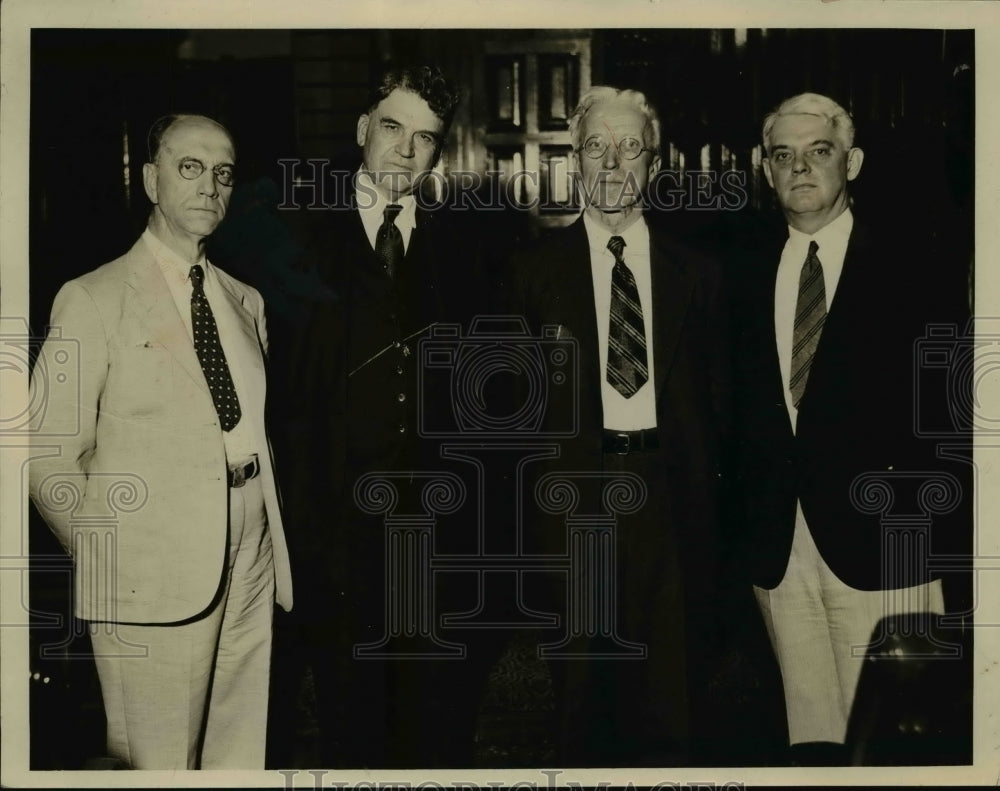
(623, 443)
(238, 476)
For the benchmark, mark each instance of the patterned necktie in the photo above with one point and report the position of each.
(208, 347)
(627, 367)
(389, 241)
(810, 315)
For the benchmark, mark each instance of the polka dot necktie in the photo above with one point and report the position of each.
(208, 347)
(627, 368)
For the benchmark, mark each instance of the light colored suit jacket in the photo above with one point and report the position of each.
(128, 467)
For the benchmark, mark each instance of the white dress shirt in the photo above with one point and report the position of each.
(239, 441)
(372, 205)
(639, 411)
(832, 240)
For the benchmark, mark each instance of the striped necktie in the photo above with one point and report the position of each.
(627, 369)
(810, 315)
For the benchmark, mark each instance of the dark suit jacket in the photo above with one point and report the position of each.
(690, 356)
(691, 369)
(342, 326)
(857, 415)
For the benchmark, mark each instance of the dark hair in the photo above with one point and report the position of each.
(154, 140)
(428, 82)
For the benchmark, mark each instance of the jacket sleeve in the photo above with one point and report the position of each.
(65, 392)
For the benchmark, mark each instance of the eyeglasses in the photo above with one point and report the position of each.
(629, 148)
(191, 168)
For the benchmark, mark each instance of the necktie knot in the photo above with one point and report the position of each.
(617, 246)
(197, 275)
(389, 240)
(812, 260)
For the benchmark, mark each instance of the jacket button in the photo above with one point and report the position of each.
(399, 370)
(402, 428)
(401, 397)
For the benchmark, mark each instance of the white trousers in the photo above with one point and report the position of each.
(820, 629)
(198, 698)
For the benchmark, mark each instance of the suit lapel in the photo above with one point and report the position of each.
(155, 305)
(572, 286)
(427, 270)
(858, 280)
(772, 365)
(671, 286)
(247, 353)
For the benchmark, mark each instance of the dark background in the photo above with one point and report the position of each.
(297, 94)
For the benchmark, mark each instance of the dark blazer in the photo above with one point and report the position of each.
(691, 369)
(668, 550)
(323, 418)
(352, 391)
(555, 287)
(857, 415)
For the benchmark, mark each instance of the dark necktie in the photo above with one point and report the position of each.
(627, 366)
(208, 347)
(389, 241)
(810, 315)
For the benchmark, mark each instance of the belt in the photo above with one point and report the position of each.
(239, 474)
(625, 442)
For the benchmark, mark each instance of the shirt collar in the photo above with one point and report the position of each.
(636, 236)
(168, 260)
(836, 232)
(372, 202)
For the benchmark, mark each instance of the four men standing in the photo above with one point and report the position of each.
(172, 397)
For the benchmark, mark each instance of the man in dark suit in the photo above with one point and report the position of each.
(834, 310)
(648, 322)
(394, 266)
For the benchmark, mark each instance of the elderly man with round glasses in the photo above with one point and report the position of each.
(647, 319)
(162, 454)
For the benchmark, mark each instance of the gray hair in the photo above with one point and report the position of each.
(605, 93)
(812, 104)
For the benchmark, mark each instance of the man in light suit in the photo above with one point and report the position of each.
(834, 309)
(647, 317)
(171, 515)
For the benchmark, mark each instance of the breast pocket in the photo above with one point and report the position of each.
(140, 380)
